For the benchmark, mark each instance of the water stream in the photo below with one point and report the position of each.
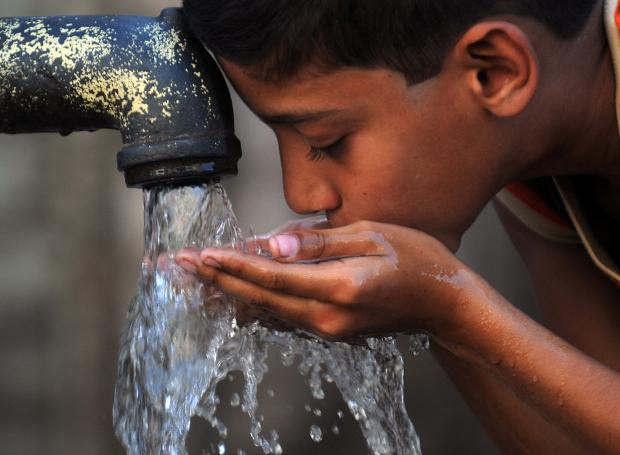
(181, 339)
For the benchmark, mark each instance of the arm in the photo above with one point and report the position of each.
(533, 377)
(371, 278)
(512, 424)
(578, 304)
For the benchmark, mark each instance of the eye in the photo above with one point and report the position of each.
(320, 153)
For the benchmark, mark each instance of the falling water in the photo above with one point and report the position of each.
(181, 340)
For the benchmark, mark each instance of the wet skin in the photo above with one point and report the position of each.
(402, 171)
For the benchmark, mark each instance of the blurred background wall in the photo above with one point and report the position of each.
(71, 241)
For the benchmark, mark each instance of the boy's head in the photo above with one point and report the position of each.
(408, 98)
(279, 37)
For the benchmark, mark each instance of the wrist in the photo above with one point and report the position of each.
(466, 303)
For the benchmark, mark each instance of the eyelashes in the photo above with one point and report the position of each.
(316, 154)
(320, 153)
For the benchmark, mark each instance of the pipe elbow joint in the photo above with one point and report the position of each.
(149, 78)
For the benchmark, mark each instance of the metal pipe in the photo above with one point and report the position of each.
(147, 77)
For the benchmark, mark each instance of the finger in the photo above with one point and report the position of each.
(327, 281)
(187, 259)
(325, 319)
(320, 245)
(296, 311)
(344, 281)
(244, 313)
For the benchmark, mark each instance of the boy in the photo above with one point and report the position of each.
(400, 120)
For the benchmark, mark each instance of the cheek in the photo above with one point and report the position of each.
(411, 179)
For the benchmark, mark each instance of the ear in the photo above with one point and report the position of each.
(499, 65)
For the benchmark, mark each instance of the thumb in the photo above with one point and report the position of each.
(322, 245)
(261, 242)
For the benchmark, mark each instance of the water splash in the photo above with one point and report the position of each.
(181, 340)
(419, 343)
(316, 434)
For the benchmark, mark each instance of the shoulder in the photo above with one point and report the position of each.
(537, 204)
(553, 209)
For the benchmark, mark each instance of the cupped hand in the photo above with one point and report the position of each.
(358, 280)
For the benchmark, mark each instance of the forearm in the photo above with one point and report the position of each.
(513, 425)
(570, 390)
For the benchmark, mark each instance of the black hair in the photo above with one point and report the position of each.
(276, 38)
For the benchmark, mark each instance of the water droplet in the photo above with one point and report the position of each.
(235, 400)
(278, 450)
(316, 434)
(271, 393)
(230, 378)
(340, 414)
(240, 452)
(336, 430)
(287, 357)
(307, 407)
(356, 410)
(419, 343)
(221, 448)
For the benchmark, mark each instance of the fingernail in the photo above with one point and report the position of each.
(211, 263)
(187, 266)
(286, 245)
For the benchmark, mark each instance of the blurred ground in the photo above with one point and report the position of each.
(71, 244)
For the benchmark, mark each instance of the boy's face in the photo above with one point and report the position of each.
(420, 156)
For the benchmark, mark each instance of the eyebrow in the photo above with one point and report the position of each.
(297, 117)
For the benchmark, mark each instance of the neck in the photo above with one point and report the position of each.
(587, 141)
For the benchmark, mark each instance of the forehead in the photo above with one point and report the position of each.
(345, 88)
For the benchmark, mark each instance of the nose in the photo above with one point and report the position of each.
(308, 187)
(308, 191)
